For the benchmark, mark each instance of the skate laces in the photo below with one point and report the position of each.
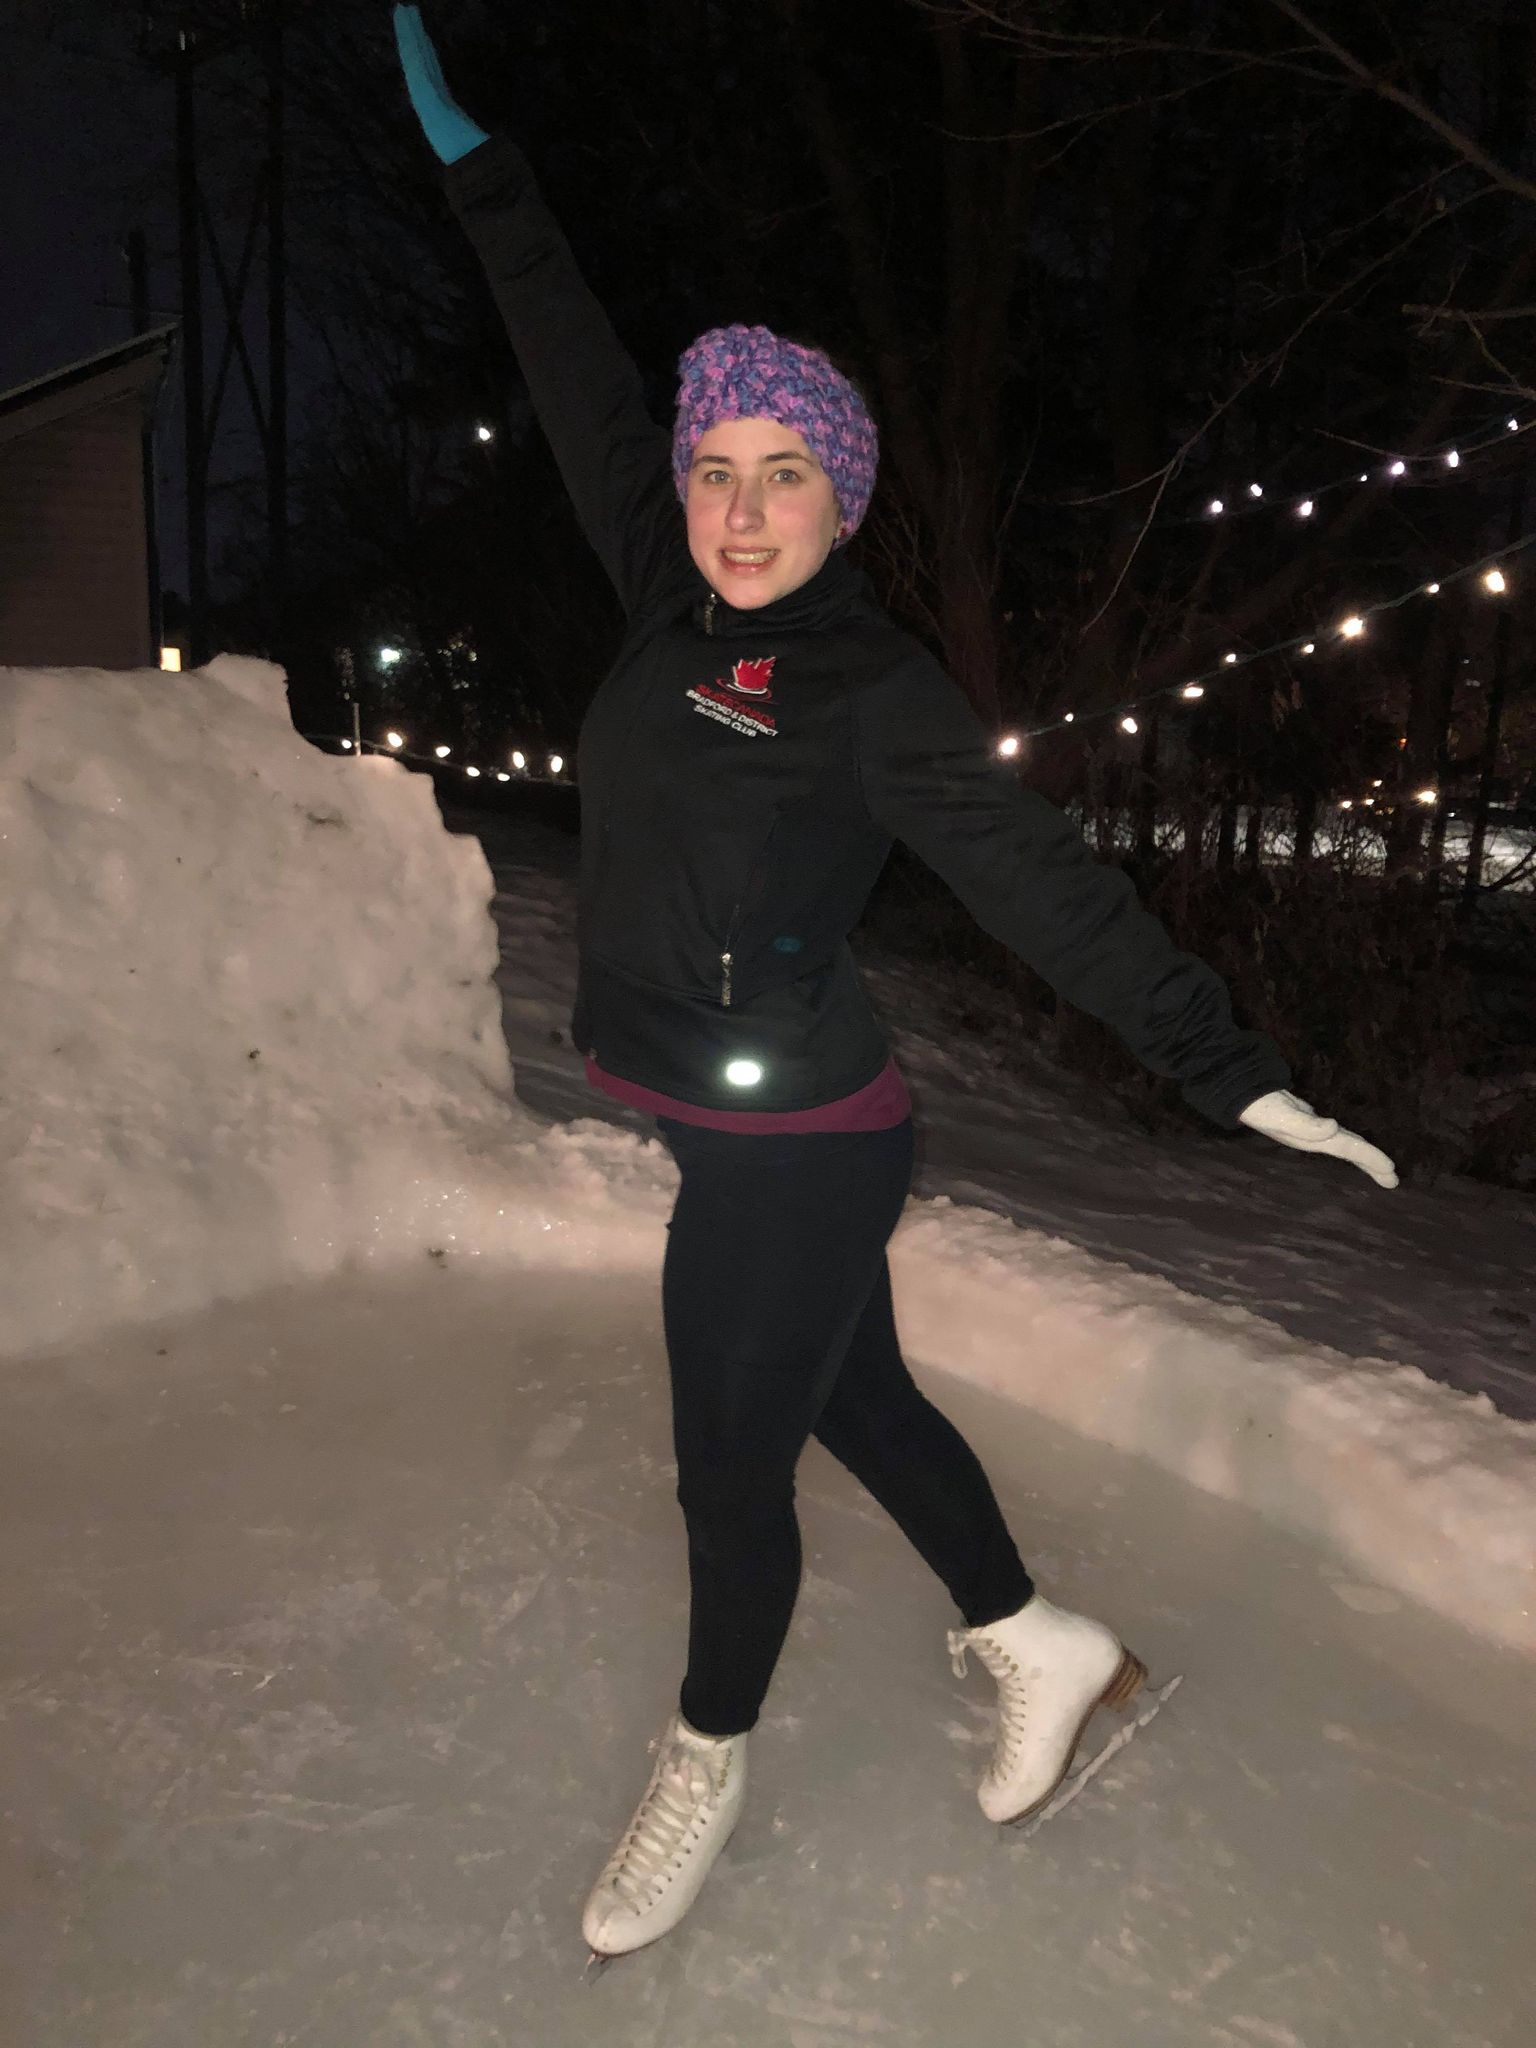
(1013, 1697)
(682, 1784)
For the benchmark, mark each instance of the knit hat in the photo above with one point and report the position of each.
(742, 373)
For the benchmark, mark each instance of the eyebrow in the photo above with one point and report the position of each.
(784, 455)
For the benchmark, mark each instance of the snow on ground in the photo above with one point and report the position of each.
(343, 1576)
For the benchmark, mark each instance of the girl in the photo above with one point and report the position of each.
(764, 735)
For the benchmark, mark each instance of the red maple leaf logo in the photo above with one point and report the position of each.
(751, 677)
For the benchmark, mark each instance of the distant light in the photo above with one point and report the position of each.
(1364, 476)
(396, 739)
(170, 660)
(1513, 426)
(1310, 647)
(442, 753)
(1255, 490)
(1452, 459)
(518, 761)
(1069, 717)
(471, 771)
(1008, 747)
(502, 775)
(1192, 690)
(1305, 509)
(1426, 796)
(556, 763)
(1431, 590)
(1494, 581)
(1353, 627)
(1346, 803)
(1377, 782)
(388, 656)
(1129, 725)
(743, 1073)
(1216, 507)
(1397, 468)
(1230, 660)
(1369, 802)
(346, 746)
(485, 433)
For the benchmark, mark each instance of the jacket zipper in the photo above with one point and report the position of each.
(709, 611)
(730, 930)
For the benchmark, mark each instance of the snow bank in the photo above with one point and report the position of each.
(247, 1021)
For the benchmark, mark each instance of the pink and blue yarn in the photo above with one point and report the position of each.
(741, 373)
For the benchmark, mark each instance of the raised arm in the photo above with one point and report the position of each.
(614, 458)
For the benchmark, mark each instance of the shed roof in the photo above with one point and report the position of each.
(136, 365)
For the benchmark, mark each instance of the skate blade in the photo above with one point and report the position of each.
(1077, 1781)
(597, 1962)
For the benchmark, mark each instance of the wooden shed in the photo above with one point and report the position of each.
(77, 518)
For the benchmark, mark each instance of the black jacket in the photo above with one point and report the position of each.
(743, 774)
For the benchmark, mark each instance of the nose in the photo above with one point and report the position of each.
(745, 513)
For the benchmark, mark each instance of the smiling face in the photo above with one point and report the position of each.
(762, 513)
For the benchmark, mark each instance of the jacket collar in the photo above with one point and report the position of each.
(821, 601)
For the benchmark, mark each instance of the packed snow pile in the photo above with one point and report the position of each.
(248, 1024)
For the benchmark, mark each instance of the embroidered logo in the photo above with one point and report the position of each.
(722, 699)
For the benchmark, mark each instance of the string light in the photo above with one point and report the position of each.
(396, 739)
(1129, 725)
(502, 775)
(1448, 455)
(518, 761)
(388, 656)
(484, 433)
(1008, 747)
(1352, 627)
(442, 753)
(346, 746)
(555, 764)
(1426, 796)
(471, 771)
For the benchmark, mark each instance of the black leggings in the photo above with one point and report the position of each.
(776, 1298)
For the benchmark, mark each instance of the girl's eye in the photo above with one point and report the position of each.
(792, 474)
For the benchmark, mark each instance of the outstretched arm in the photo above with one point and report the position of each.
(1024, 872)
(614, 459)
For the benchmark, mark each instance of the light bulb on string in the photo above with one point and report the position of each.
(484, 433)
(518, 761)
(1305, 509)
(1310, 647)
(1008, 747)
(555, 764)
(1346, 803)
(1398, 468)
(1216, 508)
(471, 771)
(1513, 426)
(1129, 725)
(1192, 690)
(1494, 581)
(502, 775)
(441, 752)
(1230, 660)
(1255, 490)
(1069, 717)
(1352, 627)
(346, 746)
(1452, 459)
(1431, 590)
(396, 739)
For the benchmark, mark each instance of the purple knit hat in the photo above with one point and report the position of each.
(743, 373)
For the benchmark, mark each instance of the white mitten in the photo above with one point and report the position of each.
(1289, 1121)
